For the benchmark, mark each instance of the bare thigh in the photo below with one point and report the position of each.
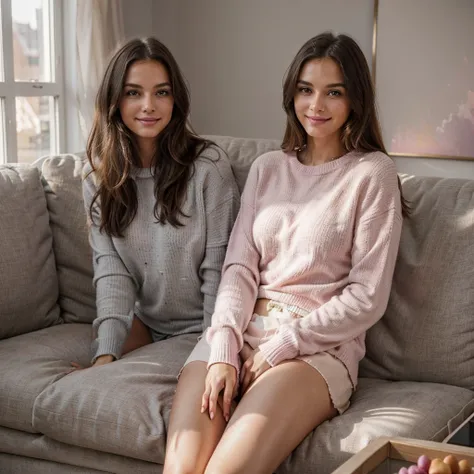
(283, 405)
(139, 336)
(192, 435)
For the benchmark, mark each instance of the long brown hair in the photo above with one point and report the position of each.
(361, 132)
(113, 152)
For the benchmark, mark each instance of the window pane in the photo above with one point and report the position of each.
(35, 127)
(32, 33)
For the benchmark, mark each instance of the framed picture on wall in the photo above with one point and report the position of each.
(423, 67)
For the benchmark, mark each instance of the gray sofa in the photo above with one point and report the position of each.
(417, 379)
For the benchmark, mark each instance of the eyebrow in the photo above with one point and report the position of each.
(336, 84)
(138, 86)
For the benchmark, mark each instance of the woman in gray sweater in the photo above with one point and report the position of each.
(161, 203)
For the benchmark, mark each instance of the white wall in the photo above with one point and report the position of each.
(235, 53)
(138, 18)
(152, 18)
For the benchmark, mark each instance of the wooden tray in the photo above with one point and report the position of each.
(388, 455)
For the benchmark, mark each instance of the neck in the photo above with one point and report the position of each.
(146, 149)
(319, 151)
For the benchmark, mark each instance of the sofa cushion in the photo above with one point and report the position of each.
(102, 409)
(427, 333)
(50, 457)
(119, 408)
(381, 408)
(62, 178)
(242, 153)
(28, 281)
(12, 464)
(31, 362)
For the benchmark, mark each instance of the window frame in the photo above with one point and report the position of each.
(11, 89)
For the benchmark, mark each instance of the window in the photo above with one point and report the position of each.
(31, 85)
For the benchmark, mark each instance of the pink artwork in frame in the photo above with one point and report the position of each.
(423, 69)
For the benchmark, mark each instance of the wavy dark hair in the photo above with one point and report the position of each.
(361, 132)
(112, 149)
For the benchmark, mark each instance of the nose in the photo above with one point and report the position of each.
(317, 103)
(148, 104)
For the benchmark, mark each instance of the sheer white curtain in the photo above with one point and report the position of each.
(99, 31)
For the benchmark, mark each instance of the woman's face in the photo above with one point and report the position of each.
(321, 101)
(146, 105)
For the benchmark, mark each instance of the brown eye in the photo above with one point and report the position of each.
(304, 90)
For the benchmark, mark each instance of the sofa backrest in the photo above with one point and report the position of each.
(427, 333)
(242, 153)
(62, 180)
(28, 280)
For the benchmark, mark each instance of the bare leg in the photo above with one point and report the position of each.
(192, 435)
(283, 405)
(139, 336)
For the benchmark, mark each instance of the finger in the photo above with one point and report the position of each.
(76, 365)
(235, 394)
(243, 371)
(246, 352)
(220, 402)
(215, 390)
(243, 387)
(228, 392)
(247, 381)
(261, 370)
(205, 398)
(256, 375)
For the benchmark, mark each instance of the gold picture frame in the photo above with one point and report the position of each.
(426, 148)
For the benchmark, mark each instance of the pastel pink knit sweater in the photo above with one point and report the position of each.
(324, 238)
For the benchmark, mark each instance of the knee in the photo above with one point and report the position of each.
(181, 467)
(218, 468)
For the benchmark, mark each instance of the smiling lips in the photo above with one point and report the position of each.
(148, 121)
(317, 120)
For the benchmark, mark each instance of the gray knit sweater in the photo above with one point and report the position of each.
(165, 275)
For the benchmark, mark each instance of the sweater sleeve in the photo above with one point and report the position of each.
(221, 202)
(239, 285)
(364, 299)
(115, 286)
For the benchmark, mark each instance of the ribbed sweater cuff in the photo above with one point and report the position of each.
(111, 335)
(280, 347)
(224, 348)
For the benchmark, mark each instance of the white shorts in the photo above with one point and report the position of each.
(261, 328)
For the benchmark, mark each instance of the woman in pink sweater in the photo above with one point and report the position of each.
(308, 270)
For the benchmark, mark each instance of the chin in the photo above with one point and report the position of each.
(321, 133)
(318, 135)
(150, 134)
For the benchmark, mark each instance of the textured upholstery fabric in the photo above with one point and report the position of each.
(31, 362)
(427, 333)
(120, 408)
(62, 180)
(28, 279)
